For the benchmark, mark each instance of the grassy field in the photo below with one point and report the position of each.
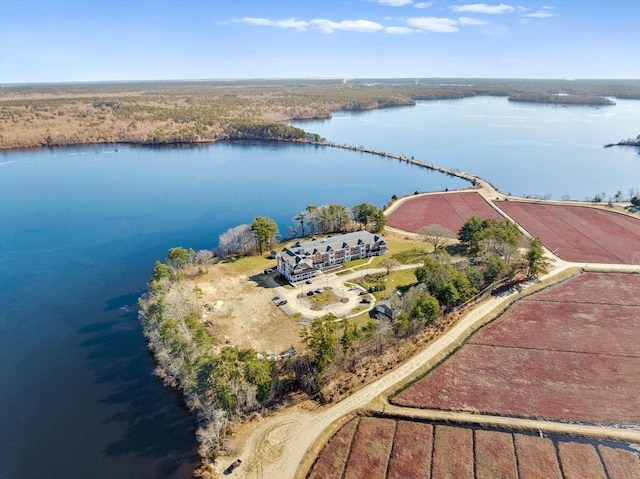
(247, 264)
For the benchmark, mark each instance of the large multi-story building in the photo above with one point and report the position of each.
(304, 261)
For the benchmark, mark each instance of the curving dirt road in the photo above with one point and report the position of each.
(280, 443)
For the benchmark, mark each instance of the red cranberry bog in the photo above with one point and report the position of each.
(372, 447)
(450, 210)
(567, 353)
(580, 233)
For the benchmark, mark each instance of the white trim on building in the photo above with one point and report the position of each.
(303, 261)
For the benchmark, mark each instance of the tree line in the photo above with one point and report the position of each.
(263, 233)
(219, 383)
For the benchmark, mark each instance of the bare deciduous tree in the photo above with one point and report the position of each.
(436, 235)
(389, 264)
(238, 240)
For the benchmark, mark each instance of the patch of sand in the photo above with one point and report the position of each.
(239, 310)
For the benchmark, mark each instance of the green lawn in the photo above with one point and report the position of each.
(324, 298)
(246, 264)
(355, 263)
(397, 279)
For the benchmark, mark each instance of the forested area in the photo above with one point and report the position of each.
(220, 382)
(205, 111)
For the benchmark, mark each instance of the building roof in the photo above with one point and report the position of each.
(337, 242)
(303, 251)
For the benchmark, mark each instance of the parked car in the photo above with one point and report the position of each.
(233, 466)
(365, 301)
(308, 281)
(275, 298)
(281, 303)
(309, 293)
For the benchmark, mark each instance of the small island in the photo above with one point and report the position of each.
(628, 142)
(562, 99)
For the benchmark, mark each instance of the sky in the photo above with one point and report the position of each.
(106, 40)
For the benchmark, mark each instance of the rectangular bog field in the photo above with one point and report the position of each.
(450, 210)
(567, 353)
(428, 450)
(580, 233)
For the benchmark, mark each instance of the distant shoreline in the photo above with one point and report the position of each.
(207, 112)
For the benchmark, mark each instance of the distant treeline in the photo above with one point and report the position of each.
(561, 99)
(204, 111)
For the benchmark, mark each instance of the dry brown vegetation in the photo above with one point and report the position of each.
(165, 112)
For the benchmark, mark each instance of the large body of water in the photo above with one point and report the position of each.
(81, 227)
(522, 148)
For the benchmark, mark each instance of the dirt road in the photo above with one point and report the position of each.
(279, 444)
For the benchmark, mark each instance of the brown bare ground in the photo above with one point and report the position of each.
(247, 317)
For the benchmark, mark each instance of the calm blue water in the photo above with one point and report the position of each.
(522, 148)
(80, 230)
(81, 227)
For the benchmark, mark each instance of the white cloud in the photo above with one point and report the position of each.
(484, 8)
(400, 30)
(254, 21)
(328, 26)
(394, 3)
(471, 21)
(434, 24)
(265, 22)
(540, 14)
(423, 4)
(325, 26)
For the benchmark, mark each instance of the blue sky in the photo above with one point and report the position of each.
(97, 40)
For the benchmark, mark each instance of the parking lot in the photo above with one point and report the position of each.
(349, 297)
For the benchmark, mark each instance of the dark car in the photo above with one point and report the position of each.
(275, 298)
(310, 293)
(233, 466)
(281, 303)
(365, 301)
(308, 281)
